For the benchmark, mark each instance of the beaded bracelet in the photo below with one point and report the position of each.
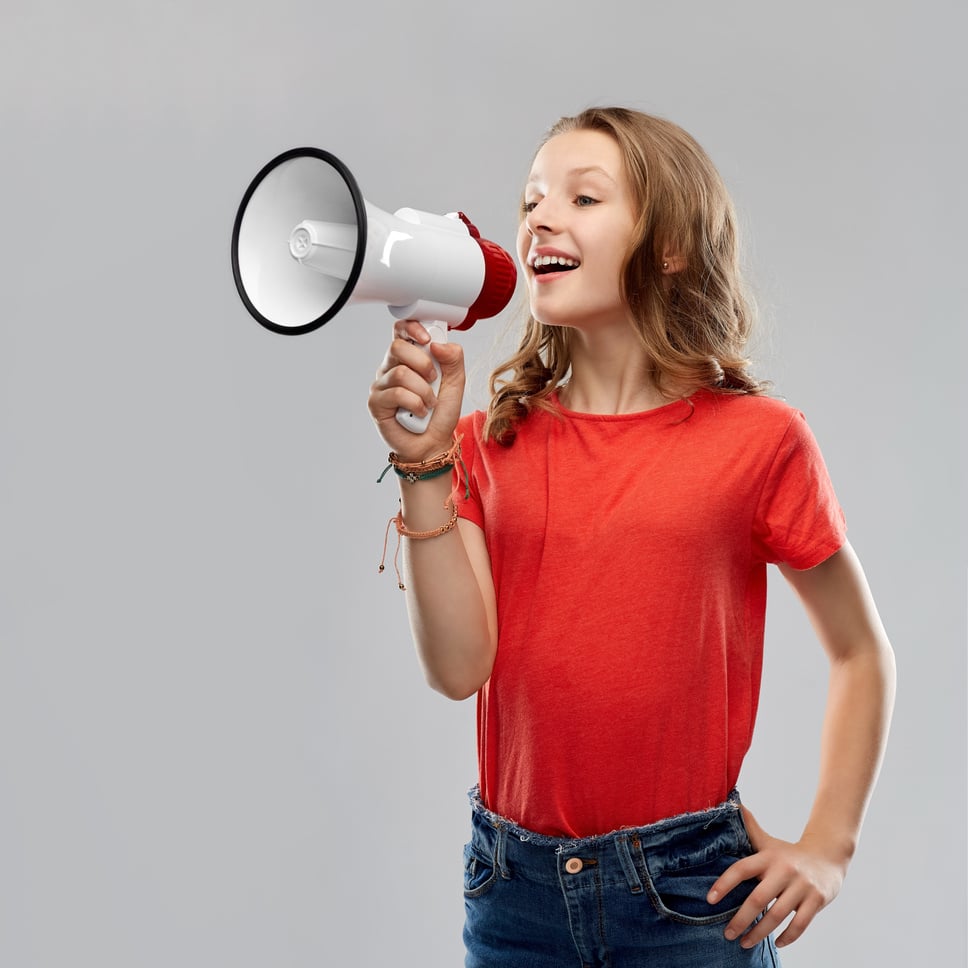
(424, 470)
(404, 532)
(430, 468)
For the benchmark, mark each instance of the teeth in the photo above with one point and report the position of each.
(554, 260)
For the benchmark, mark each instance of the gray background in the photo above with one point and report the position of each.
(215, 745)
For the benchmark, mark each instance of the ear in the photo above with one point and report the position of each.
(672, 263)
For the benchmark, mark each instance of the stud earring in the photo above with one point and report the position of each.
(665, 265)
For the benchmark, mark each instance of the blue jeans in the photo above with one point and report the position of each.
(629, 899)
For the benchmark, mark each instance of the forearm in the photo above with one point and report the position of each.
(802, 878)
(859, 703)
(451, 616)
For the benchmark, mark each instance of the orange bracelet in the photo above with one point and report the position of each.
(404, 532)
(447, 459)
(425, 470)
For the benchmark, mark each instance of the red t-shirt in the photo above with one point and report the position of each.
(629, 557)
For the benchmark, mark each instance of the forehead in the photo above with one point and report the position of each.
(576, 153)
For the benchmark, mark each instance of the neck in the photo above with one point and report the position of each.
(611, 373)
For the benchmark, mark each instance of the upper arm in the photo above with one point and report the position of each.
(839, 603)
(476, 547)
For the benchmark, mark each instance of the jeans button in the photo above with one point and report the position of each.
(573, 865)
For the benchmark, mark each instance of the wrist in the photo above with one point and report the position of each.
(417, 455)
(430, 468)
(836, 846)
(428, 464)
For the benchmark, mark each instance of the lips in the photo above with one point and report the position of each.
(546, 261)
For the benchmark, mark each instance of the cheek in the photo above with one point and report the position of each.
(615, 248)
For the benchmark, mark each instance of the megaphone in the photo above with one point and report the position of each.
(306, 243)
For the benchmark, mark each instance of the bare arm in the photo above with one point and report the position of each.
(860, 696)
(450, 591)
(804, 877)
(451, 602)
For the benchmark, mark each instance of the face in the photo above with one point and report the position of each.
(576, 231)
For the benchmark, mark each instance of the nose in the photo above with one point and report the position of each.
(542, 217)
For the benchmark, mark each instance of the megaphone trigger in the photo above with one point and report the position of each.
(406, 418)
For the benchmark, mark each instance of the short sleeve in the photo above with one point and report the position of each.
(469, 506)
(798, 519)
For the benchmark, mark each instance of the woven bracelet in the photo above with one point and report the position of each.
(430, 468)
(404, 532)
(413, 477)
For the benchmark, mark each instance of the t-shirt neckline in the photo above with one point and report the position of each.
(667, 409)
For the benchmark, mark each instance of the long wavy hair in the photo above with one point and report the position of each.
(694, 330)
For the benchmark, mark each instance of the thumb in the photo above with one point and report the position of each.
(758, 836)
(450, 393)
(450, 356)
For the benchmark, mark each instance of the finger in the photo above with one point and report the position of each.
(400, 387)
(410, 329)
(772, 918)
(734, 875)
(401, 357)
(806, 912)
(762, 896)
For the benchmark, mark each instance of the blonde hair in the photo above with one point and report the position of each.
(694, 330)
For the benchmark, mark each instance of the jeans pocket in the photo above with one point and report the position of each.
(678, 889)
(479, 872)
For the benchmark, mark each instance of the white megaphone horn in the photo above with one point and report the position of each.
(306, 243)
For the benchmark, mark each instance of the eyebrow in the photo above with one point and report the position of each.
(591, 168)
(586, 170)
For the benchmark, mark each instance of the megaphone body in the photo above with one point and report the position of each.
(306, 243)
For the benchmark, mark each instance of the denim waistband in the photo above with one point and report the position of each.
(511, 845)
(658, 830)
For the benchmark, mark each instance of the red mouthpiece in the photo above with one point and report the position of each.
(500, 277)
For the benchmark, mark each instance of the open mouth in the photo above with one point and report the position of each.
(543, 264)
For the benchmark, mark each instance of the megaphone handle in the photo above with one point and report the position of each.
(408, 420)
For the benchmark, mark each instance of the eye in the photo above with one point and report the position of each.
(527, 207)
(583, 201)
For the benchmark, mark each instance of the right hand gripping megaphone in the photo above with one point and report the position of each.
(306, 243)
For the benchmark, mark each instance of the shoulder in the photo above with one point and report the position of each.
(471, 423)
(746, 414)
(753, 406)
(751, 430)
(471, 428)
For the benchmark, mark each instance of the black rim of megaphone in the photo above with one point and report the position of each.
(354, 275)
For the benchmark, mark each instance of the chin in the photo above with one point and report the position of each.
(548, 314)
(554, 320)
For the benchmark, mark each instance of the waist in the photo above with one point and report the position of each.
(683, 840)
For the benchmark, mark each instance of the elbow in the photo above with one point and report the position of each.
(457, 695)
(457, 690)
(457, 671)
(457, 683)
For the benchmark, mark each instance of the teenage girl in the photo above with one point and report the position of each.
(589, 558)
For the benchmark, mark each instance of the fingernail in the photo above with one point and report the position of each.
(730, 935)
(713, 897)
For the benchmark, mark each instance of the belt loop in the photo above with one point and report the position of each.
(628, 864)
(500, 851)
